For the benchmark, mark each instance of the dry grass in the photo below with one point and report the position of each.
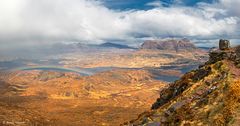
(235, 89)
(231, 100)
(107, 98)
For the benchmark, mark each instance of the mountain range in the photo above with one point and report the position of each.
(169, 44)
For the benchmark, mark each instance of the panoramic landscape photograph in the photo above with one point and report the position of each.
(119, 63)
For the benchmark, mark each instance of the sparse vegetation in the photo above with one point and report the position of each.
(60, 99)
(209, 95)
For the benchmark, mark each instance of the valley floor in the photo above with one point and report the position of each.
(44, 98)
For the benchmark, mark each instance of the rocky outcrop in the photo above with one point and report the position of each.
(178, 87)
(225, 53)
(206, 96)
(224, 44)
(171, 44)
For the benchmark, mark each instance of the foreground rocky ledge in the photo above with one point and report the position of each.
(209, 95)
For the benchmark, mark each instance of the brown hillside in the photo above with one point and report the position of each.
(48, 98)
(206, 96)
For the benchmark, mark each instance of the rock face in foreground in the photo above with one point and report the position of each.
(225, 53)
(171, 44)
(208, 96)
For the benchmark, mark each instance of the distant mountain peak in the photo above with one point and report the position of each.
(115, 45)
(169, 44)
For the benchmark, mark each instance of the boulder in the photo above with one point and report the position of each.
(238, 52)
(224, 52)
(224, 44)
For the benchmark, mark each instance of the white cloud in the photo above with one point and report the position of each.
(232, 6)
(29, 21)
(156, 3)
(180, 22)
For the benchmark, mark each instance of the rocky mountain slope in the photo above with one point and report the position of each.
(169, 44)
(209, 95)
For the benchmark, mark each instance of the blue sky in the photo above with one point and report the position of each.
(142, 4)
(31, 22)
